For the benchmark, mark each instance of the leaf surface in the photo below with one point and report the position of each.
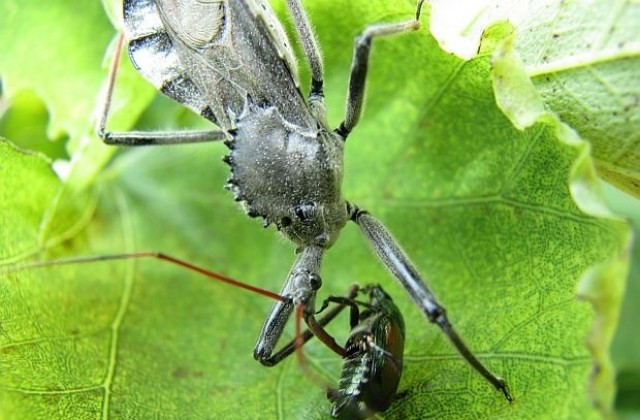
(584, 59)
(502, 222)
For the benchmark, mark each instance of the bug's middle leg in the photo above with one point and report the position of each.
(143, 138)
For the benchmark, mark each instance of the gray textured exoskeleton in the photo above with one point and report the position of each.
(230, 61)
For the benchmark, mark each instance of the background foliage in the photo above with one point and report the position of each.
(506, 223)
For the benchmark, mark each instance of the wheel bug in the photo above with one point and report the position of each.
(231, 63)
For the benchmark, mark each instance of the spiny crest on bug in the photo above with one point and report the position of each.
(288, 175)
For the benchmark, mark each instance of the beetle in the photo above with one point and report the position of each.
(373, 353)
(231, 62)
(372, 365)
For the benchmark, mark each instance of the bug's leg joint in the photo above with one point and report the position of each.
(342, 131)
(363, 44)
(317, 89)
(438, 316)
(355, 212)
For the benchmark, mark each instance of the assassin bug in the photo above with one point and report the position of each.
(230, 61)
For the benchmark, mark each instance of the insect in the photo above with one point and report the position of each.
(231, 62)
(374, 351)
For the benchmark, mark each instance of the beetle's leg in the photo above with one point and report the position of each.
(317, 328)
(354, 312)
(290, 347)
(398, 263)
(141, 138)
(301, 285)
(360, 65)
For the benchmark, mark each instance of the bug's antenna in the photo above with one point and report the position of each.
(156, 255)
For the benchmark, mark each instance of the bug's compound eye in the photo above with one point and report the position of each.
(315, 281)
(285, 222)
(304, 211)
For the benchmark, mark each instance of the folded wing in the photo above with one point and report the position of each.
(213, 55)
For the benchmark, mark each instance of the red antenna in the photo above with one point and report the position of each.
(301, 337)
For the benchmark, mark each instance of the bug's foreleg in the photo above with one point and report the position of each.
(142, 138)
(328, 316)
(301, 285)
(398, 263)
(360, 66)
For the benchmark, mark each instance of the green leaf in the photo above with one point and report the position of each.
(502, 222)
(517, 96)
(584, 59)
(626, 345)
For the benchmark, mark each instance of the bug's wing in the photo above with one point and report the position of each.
(212, 55)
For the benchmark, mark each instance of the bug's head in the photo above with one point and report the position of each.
(313, 223)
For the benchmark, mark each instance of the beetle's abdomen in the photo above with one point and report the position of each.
(367, 386)
(373, 366)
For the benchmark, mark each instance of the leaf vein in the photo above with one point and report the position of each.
(128, 234)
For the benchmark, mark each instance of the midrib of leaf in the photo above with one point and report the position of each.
(496, 199)
(129, 274)
(581, 61)
(487, 355)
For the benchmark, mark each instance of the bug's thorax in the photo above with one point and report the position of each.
(289, 175)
